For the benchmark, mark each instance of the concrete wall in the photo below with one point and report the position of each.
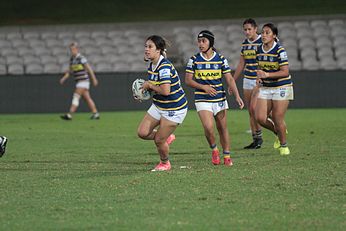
(43, 93)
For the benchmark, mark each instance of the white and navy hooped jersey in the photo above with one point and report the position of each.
(271, 61)
(165, 73)
(248, 51)
(77, 67)
(209, 72)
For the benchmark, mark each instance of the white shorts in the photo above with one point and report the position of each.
(279, 93)
(177, 116)
(83, 84)
(249, 84)
(212, 107)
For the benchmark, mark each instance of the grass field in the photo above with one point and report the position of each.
(22, 12)
(94, 175)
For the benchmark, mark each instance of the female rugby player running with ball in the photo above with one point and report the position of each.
(169, 106)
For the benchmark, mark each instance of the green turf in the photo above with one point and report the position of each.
(94, 175)
(64, 11)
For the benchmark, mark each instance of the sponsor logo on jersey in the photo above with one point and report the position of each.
(269, 65)
(165, 72)
(208, 74)
(283, 56)
(249, 53)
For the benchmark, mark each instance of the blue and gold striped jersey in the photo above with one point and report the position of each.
(208, 72)
(165, 73)
(248, 51)
(271, 61)
(77, 67)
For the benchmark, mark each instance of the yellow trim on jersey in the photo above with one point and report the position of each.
(77, 67)
(250, 77)
(170, 101)
(280, 49)
(208, 74)
(178, 82)
(210, 100)
(190, 71)
(218, 85)
(249, 70)
(205, 93)
(164, 65)
(156, 83)
(172, 109)
(283, 64)
(250, 44)
(207, 62)
(172, 93)
(226, 71)
(286, 78)
(153, 73)
(265, 54)
(252, 64)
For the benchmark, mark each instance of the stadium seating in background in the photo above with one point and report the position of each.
(310, 44)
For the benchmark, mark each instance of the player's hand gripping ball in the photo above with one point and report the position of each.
(138, 92)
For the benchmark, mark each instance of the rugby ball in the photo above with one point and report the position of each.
(137, 90)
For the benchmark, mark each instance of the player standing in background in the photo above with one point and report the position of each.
(248, 65)
(169, 106)
(276, 86)
(204, 72)
(3, 142)
(82, 72)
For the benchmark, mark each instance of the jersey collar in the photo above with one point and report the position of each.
(158, 63)
(201, 54)
(258, 36)
(274, 44)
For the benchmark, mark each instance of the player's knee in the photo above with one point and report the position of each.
(141, 133)
(159, 140)
(261, 119)
(75, 99)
